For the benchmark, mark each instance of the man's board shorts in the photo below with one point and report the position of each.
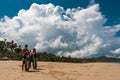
(25, 57)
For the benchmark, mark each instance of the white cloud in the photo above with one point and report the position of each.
(117, 51)
(78, 32)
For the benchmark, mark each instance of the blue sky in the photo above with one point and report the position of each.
(110, 9)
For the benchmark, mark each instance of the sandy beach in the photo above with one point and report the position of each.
(11, 70)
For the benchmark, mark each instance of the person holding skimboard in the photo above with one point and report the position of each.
(34, 58)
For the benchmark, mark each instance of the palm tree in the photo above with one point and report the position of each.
(5, 44)
(13, 46)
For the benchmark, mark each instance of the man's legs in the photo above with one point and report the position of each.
(23, 64)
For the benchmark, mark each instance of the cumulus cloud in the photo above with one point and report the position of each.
(77, 32)
(117, 51)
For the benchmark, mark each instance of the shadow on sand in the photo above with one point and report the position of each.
(40, 69)
(34, 71)
(37, 70)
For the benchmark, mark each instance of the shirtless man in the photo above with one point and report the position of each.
(25, 52)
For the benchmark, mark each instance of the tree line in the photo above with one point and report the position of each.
(9, 50)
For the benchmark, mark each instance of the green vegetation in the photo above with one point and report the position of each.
(43, 56)
(11, 51)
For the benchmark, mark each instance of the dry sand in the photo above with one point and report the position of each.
(11, 70)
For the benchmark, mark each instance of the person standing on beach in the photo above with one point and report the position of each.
(34, 58)
(25, 52)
